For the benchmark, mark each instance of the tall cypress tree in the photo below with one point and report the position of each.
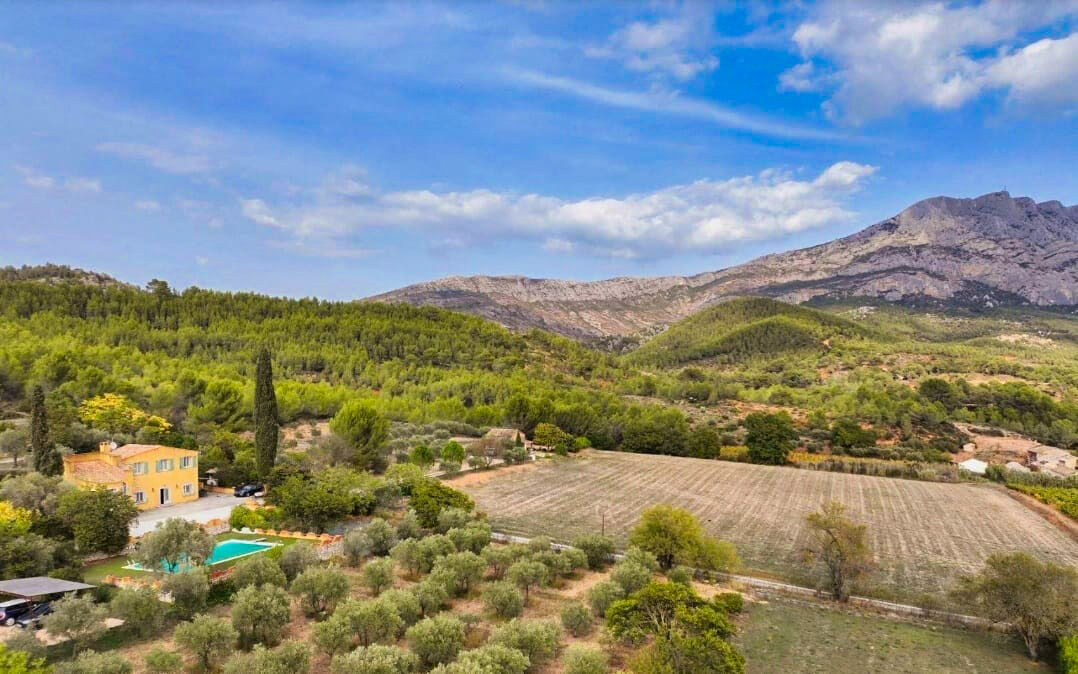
(265, 417)
(46, 459)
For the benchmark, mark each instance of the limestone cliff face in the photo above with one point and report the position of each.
(991, 250)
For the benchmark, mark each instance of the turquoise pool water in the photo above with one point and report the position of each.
(224, 551)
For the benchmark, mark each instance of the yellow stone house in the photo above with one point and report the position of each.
(152, 475)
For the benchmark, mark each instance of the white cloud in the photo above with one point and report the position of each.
(40, 181)
(704, 216)
(83, 185)
(202, 260)
(678, 45)
(670, 102)
(148, 205)
(877, 57)
(35, 179)
(1046, 70)
(256, 210)
(159, 158)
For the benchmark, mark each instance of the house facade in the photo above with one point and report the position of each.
(152, 475)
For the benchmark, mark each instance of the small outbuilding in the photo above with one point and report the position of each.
(974, 466)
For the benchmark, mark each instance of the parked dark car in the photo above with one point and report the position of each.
(10, 610)
(248, 490)
(32, 618)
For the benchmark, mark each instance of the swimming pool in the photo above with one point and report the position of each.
(224, 551)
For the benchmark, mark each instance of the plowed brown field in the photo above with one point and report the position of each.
(924, 534)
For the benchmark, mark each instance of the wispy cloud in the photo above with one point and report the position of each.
(35, 179)
(672, 103)
(148, 205)
(159, 158)
(678, 45)
(41, 181)
(83, 185)
(705, 216)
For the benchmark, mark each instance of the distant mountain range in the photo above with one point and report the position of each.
(984, 252)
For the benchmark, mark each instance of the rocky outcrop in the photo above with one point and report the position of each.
(987, 251)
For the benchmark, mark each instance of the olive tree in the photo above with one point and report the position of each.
(504, 599)
(537, 639)
(527, 574)
(257, 570)
(296, 558)
(375, 659)
(173, 543)
(76, 618)
(140, 609)
(259, 614)
(319, 589)
(209, 638)
(188, 591)
(437, 639)
(378, 575)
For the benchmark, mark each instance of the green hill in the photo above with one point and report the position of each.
(741, 329)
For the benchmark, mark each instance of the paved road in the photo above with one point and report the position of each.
(211, 506)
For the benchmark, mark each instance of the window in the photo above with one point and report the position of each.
(186, 461)
(188, 489)
(140, 468)
(140, 497)
(164, 465)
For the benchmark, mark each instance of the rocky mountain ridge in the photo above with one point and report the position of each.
(991, 250)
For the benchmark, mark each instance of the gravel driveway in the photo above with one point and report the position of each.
(211, 506)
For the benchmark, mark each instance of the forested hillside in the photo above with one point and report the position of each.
(190, 356)
(743, 328)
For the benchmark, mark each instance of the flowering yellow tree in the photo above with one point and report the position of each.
(14, 521)
(114, 413)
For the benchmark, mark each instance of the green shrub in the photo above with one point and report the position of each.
(582, 659)
(1068, 654)
(90, 662)
(599, 550)
(730, 602)
(602, 595)
(375, 659)
(161, 661)
(296, 558)
(630, 576)
(488, 659)
(681, 575)
(576, 618)
(537, 639)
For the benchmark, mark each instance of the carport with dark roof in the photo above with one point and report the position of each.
(40, 586)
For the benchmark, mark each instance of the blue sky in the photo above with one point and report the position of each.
(340, 149)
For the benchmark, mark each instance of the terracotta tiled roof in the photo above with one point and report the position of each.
(128, 451)
(98, 472)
